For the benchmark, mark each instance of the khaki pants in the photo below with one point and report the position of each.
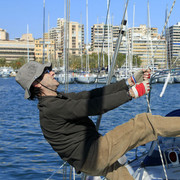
(104, 153)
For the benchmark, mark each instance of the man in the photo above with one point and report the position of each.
(66, 126)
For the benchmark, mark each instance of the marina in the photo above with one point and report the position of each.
(114, 53)
(25, 154)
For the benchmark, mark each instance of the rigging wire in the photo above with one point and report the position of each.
(114, 55)
(56, 170)
(164, 28)
(102, 49)
(148, 97)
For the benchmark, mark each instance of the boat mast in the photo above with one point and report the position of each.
(48, 40)
(81, 46)
(127, 45)
(65, 36)
(87, 54)
(43, 60)
(149, 39)
(132, 39)
(167, 34)
(98, 41)
(27, 43)
(108, 34)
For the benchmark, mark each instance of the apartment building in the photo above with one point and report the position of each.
(4, 35)
(145, 42)
(75, 37)
(173, 43)
(48, 51)
(15, 49)
(148, 45)
(103, 38)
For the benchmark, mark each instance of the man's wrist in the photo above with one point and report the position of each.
(129, 82)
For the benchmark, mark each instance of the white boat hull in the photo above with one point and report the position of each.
(61, 78)
(85, 79)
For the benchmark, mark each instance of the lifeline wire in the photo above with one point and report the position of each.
(159, 148)
(164, 27)
(56, 171)
(114, 59)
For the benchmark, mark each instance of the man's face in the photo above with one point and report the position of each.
(48, 79)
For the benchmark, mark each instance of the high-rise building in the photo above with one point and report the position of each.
(103, 38)
(75, 37)
(142, 41)
(148, 45)
(4, 35)
(49, 50)
(173, 43)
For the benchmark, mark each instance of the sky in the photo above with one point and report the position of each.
(16, 15)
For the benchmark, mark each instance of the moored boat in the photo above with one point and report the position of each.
(85, 78)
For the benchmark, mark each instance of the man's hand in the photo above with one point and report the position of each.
(140, 76)
(140, 89)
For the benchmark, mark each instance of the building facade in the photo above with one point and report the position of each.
(4, 35)
(74, 34)
(173, 44)
(141, 41)
(14, 49)
(148, 45)
(48, 52)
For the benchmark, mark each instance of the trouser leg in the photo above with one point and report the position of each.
(117, 172)
(138, 131)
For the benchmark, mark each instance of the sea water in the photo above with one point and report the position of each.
(25, 154)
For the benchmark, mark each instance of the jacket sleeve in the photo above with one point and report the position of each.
(99, 92)
(73, 109)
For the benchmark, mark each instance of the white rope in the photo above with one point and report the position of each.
(160, 153)
(159, 148)
(56, 171)
(165, 84)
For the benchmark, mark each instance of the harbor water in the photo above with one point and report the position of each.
(25, 154)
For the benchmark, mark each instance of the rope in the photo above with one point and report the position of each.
(160, 152)
(163, 29)
(149, 109)
(114, 58)
(159, 148)
(56, 171)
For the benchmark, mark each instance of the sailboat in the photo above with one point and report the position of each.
(86, 78)
(102, 78)
(64, 77)
(161, 159)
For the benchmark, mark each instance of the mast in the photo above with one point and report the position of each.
(167, 34)
(43, 60)
(132, 36)
(103, 47)
(149, 40)
(108, 35)
(81, 46)
(27, 43)
(98, 41)
(65, 36)
(87, 54)
(48, 40)
(127, 44)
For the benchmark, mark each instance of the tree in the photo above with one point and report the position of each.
(16, 64)
(136, 61)
(121, 58)
(2, 61)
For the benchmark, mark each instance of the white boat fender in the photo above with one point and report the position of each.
(122, 160)
(165, 85)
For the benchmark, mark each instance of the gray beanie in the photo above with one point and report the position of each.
(28, 73)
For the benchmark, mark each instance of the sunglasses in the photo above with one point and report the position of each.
(46, 71)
